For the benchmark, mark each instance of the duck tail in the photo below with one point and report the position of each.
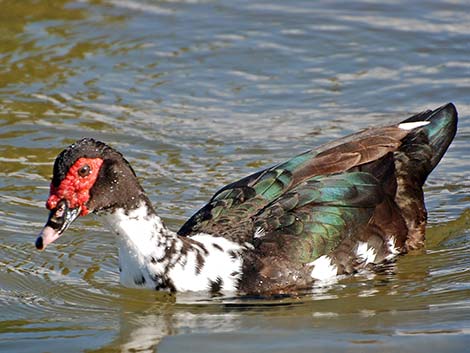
(431, 133)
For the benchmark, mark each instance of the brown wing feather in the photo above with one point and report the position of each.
(230, 212)
(341, 157)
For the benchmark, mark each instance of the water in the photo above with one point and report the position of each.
(197, 94)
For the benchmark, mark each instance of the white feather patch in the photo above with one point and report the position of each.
(219, 265)
(365, 253)
(259, 233)
(413, 125)
(323, 269)
(135, 232)
(143, 237)
(392, 248)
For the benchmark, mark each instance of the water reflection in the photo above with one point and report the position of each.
(144, 332)
(379, 305)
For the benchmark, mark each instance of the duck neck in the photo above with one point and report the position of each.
(152, 256)
(143, 240)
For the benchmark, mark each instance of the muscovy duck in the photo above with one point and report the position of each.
(347, 205)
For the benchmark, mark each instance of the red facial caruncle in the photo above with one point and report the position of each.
(75, 187)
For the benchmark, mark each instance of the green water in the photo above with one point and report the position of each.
(197, 94)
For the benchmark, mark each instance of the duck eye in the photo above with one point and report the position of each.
(84, 171)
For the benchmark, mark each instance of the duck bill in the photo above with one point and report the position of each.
(60, 218)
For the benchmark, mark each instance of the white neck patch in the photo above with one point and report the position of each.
(141, 236)
(152, 256)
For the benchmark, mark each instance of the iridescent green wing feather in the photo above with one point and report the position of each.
(231, 210)
(315, 216)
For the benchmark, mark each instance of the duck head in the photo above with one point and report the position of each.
(88, 176)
